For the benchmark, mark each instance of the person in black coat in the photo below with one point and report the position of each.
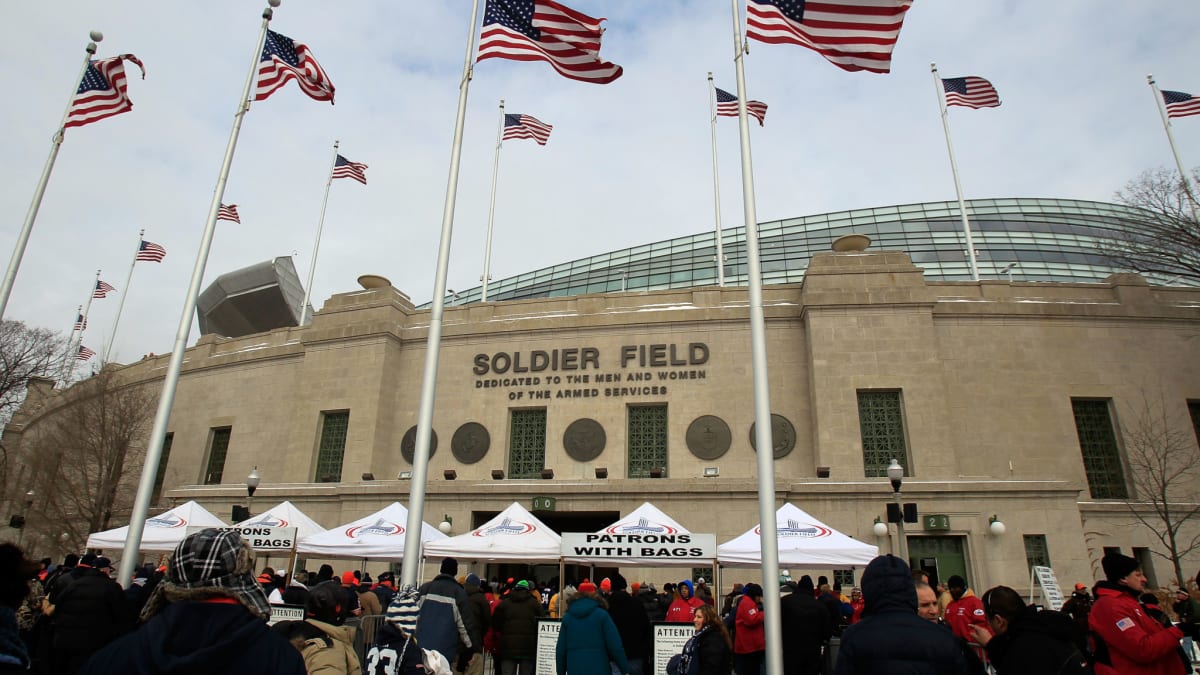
(710, 650)
(1028, 641)
(891, 638)
(648, 596)
(88, 614)
(516, 618)
(632, 624)
(806, 626)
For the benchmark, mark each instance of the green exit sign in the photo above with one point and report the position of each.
(543, 503)
(936, 521)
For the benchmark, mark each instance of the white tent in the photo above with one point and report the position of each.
(645, 519)
(379, 536)
(804, 541)
(514, 534)
(162, 532)
(285, 514)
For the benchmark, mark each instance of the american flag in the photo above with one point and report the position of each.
(526, 126)
(103, 91)
(850, 34)
(229, 213)
(1180, 104)
(80, 322)
(150, 251)
(970, 92)
(102, 289)
(84, 354)
(727, 107)
(543, 30)
(284, 59)
(344, 168)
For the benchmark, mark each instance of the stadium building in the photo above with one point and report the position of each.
(591, 387)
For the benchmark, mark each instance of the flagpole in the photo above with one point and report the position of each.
(416, 494)
(77, 326)
(166, 399)
(939, 91)
(68, 368)
(1183, 176)
(758, 354)
(121, 305)
(23, 238)
(487, 246)
(312, 265)
(712, 123)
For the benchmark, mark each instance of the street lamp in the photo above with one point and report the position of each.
(895, 473)
(447, 524)
(252, 481)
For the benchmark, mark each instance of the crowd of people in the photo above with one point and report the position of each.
(206, 611)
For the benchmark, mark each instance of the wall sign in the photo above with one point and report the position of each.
(544, 503)
(936, 522)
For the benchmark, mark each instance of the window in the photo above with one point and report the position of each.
(162, 466)
(881, 421)
(527, 443)
(1037, 553)
(333, 446)
(1194, 411)
(218, 446)
(1098, 444)
(845, 579)
(1145, 560)
(647, 440)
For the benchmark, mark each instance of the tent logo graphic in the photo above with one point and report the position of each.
(506, 527)
(381, 527)
(642, 526)
(267, 520)
(166, 520)
(794, 528)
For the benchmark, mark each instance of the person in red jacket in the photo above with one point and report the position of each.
(1136, 643)
(683, 608)
(749, 636)
(964, 610)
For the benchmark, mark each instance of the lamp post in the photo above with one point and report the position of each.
(447, 524)
(895, 473)
(24, 518)
(252, 481)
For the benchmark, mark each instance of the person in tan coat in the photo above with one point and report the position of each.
(368, 600)
(326, 646)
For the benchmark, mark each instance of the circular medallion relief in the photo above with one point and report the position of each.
(470, 443)
(708, 437)
(584, 440)
(783, 436)
(409, 443)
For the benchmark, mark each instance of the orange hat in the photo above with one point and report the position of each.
(265, 578)
(1081, 587)
(635, 587)
(586, 586)
(606, 585)
(348, 578)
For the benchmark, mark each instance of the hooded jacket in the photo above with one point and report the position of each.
(1038, 642)
(1137, 644)
(891, 638)
(681, 608)
(192, 638)
(588, 640)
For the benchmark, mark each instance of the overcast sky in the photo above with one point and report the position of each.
(627, 163)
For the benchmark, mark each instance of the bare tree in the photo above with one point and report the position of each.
(1164, 235)
(1164, 463)
(87, 457)
(25, 353)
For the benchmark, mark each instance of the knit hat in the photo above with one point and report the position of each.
(209, 564)
(587, 587)
(472, 579)
(88, 559)
(264, 578)
(523, 584)
(634, 588)
(753, 590)
(606, 585)
(403, 610)
(1117, 566)
(449, 566)
(348, 578)
(101, 562)
(619, 583)
(386, 576)
(956, 582)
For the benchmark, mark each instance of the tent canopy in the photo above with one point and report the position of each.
(379, 536)
(514, 534)
(803, 540)
(162, 532)
(285, 514)
(645, 519)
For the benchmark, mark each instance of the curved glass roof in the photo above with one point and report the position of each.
(1041, 239)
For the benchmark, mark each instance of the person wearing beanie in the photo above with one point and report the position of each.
(481, 619)
(350, 601)
(89, 613)
(807, 625)
(749, 634)
(324, 643)
(633, 625)
(965, 610)
(207, 615)
(445, 618)
(1136, 643)
(588, 640)
(385, 589)
(892, 638)
(394, 651)
(682, 609)
(606, 586)
(516, 620)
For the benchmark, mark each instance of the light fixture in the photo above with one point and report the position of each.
(602, 472)
(547, 473)
(995, 526)
(368, 476)
(447, 524)
(449, 474)
(711, 471)
(404, 475)
(822, 472)
(252, 481)
(880, 528)
(656, 472)
(895, 473)
(497, 474)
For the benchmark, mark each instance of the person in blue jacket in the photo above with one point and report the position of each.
(588, 638)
